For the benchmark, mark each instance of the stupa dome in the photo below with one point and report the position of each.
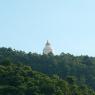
(47, 49)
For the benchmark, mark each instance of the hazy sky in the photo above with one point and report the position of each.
(68, 24)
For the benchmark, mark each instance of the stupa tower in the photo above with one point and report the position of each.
(47, 49)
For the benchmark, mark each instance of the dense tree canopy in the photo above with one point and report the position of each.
(19, 79)
(76, 71)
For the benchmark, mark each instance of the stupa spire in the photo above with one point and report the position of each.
(47, 49)
(47, 43)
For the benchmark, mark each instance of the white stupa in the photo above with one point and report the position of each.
(47, 48)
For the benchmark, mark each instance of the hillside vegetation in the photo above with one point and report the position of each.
(18, 79)
(78, 71)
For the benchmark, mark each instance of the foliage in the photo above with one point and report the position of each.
(22, 80)
(78, 70)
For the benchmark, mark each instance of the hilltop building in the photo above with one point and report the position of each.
(47, 49)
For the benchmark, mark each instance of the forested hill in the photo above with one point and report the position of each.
(81, 68)
(18, 79)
